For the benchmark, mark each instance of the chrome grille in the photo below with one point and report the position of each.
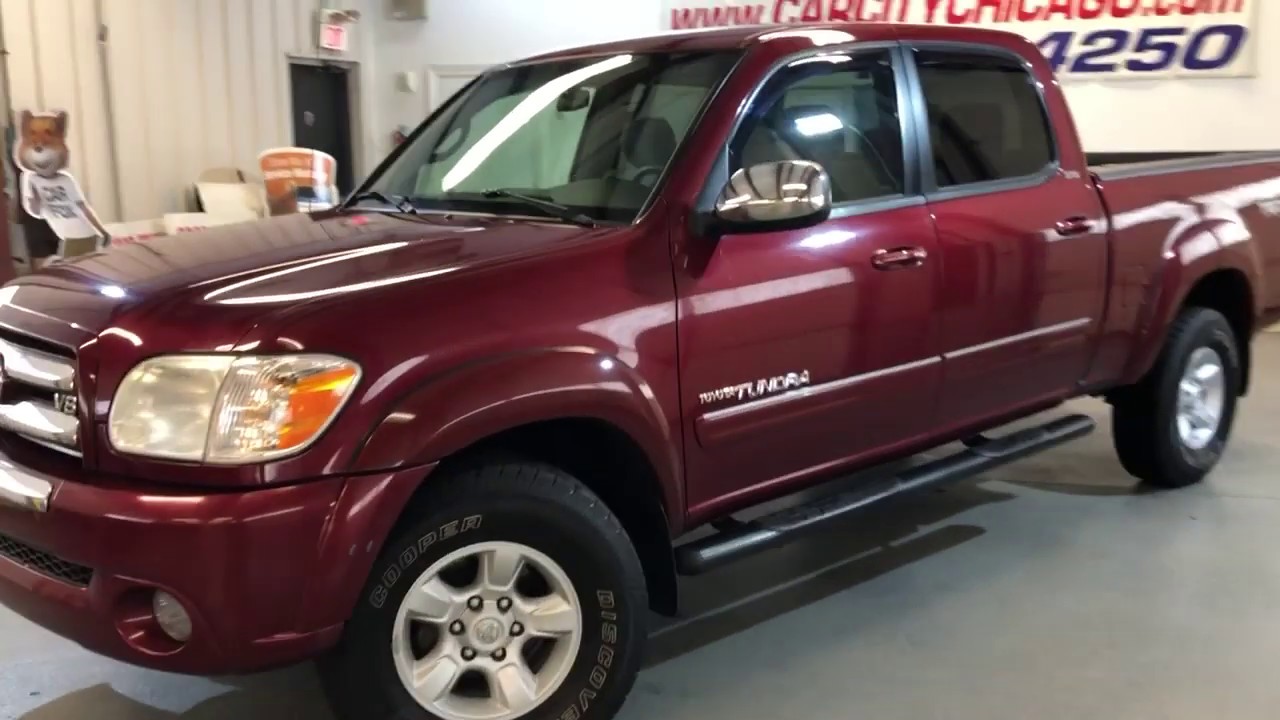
(38, 397)
(45, 563)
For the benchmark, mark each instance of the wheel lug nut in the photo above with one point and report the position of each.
(468, 654)
(457, 628)
(475, 603)
(504, 604)
(499, 655)
(517, 629)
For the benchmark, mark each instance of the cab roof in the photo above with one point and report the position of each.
(740, 38)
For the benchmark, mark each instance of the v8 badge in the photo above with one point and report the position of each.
(67, 403)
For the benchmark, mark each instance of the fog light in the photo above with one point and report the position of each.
(171, 616)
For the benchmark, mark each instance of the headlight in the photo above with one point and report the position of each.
(228, 410)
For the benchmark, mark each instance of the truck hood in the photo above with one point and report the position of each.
(266, 265)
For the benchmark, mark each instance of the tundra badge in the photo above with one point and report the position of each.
(763, 387)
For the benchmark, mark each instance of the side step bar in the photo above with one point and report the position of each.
(738, 540)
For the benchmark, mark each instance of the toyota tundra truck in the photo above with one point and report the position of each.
(453, 438)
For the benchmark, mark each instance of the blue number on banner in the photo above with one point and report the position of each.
(1055, 47)
(1148, 43)
(1195, 60)
(1105, 43)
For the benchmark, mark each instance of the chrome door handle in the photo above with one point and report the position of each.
(899, 258)
(1078, 225)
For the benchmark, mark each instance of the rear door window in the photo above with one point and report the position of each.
(987, 121)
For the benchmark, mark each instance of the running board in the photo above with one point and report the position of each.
(736, 541)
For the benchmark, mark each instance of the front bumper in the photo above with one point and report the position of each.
(268, 576)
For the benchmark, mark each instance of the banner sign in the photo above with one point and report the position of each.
(1083, 39)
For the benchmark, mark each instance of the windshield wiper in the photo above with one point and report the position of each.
(399, 202)
(554, 209)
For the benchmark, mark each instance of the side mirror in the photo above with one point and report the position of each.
(784, 195)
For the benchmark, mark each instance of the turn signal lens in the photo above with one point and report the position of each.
(312, 401)
(272, 406)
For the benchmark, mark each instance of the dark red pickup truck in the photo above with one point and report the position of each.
(448, 437)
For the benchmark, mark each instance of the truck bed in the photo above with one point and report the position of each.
(1186, 163)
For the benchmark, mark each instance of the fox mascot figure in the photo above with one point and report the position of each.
(50, 193)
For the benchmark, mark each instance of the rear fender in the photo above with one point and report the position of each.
(1216, 242)
(457, 409)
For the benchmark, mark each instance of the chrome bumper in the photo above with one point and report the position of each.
(22, 489)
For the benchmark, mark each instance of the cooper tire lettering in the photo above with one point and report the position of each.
(378, 596)
(408, 556)
(390, 577)
(448, 530)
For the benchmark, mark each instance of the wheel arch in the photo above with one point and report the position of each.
(613, 466)
(1212, 282)
(577, 409)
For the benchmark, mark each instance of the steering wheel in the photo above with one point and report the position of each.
(647, 176)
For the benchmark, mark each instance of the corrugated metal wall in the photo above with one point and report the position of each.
(187, 85)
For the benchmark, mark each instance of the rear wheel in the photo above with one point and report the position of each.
(520, 597)
(1171, 429)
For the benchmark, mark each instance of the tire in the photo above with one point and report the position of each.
(543, 515)
(1146, 430)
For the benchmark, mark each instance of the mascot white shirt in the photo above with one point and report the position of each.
(57, 200)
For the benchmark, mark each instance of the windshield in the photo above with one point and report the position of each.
(591, 134)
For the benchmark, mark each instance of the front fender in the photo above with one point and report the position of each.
(1216, 243)
(458, 408)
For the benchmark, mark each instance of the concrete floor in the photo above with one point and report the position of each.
(1051, 589)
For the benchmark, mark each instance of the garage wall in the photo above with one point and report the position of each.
(461, 38)
(190, 85)
(1128, 116)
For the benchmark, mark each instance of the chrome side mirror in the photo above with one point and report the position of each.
(780, 195)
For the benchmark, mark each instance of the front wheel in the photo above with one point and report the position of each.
(520, 597)
(1171, 429)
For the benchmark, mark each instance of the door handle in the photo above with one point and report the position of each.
(899, 258)
(1078, 225)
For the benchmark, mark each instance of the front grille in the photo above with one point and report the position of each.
(45, 563)
(38, 399)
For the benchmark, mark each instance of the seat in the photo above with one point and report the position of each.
(823, 136)
(649, 143)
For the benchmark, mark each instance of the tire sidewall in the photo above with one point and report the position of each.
(612, 619)
(1211, 332)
